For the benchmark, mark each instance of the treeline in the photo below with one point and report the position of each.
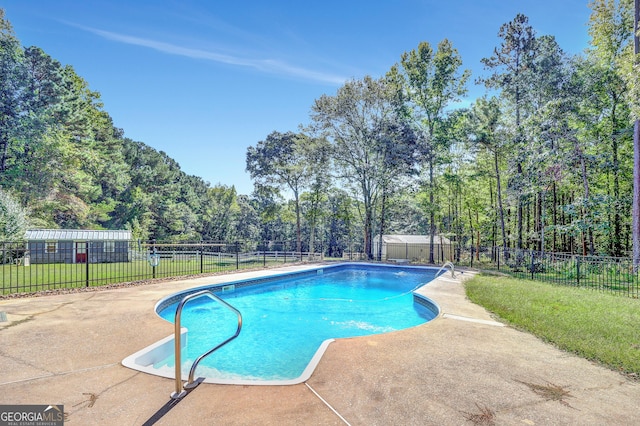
(64, 162)
(544, 161)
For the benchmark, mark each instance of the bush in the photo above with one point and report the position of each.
(14, 219)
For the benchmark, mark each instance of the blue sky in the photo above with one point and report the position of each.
(203, 80)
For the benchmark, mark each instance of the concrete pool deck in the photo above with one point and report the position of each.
(461, 368)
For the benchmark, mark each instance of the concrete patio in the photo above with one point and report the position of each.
(461, 368)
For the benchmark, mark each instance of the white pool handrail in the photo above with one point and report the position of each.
(450, 265)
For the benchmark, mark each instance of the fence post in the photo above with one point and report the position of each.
(532, 263)
(237, 256)
(154, 263)
(86, 261)
(264, 254)
(201, 258)
(578, 270)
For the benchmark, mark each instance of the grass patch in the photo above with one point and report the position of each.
(597, 326)
(50, 276)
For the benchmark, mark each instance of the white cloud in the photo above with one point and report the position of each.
(265, 65)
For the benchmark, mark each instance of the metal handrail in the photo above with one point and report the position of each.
(179, 393)
(450, 265)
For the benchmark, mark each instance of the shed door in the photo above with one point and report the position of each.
(81, 252)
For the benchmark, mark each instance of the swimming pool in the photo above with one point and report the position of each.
(289, 320)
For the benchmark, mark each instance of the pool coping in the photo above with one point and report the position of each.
(144, 359)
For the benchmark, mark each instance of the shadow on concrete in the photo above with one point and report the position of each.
(166, 408)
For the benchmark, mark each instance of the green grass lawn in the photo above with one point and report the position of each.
(597, 326)
(39, 277)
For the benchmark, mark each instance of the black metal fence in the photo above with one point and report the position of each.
(28, 267)
(607, 274)
(90, 264)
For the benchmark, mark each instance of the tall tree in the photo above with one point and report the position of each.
(548, 89)
(316, 154)
(635, 71)
(278, 162)
(611, 30)
(220, 214)
(433, 81)
(36, 147)
(354, 121)
(247, 226)
(342, 226)
(12, 78)
(485, 122)
(511, 63)
(398, 145)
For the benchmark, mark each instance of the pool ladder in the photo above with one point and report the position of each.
(181, 390)
(450, 265)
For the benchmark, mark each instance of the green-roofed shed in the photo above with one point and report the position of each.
(77, 245)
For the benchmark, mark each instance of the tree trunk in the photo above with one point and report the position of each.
(367, 234)
(539, 221)
(541, 218)
(471, 230)
(519, 213)
(312, 228)
(368, 220)
(526, 218)
(4, 148)
(312, 241)
(382, 221)
(494, 226)
(636, 190)
(519, 165)
(500, 209)
(617, 219)
(460, 224)
(298, 228)
(585, 207)
(478, 236)
(432, 215)
(555, 218)
(636, 155)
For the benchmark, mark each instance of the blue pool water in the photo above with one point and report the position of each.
(286, 321)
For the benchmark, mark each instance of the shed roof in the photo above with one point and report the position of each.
(77, 234)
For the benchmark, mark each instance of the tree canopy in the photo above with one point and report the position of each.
(543, 161)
